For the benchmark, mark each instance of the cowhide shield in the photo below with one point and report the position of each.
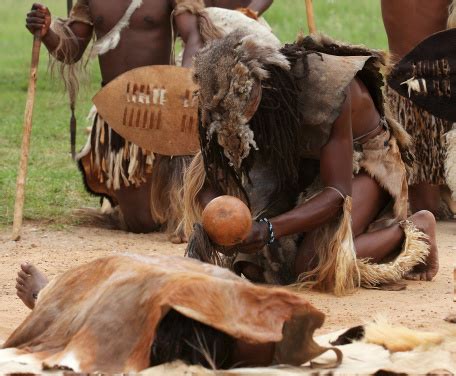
(102, 316)
(427, 75)
(153, 107)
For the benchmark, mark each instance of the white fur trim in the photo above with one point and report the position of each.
(111, 39)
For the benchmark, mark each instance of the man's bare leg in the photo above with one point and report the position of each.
(379, 244)
(30, 281)
(424, 196)
(368, 200)
(425, 221)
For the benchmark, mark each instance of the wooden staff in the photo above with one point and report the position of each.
(69, 6)
(310, 17)
(22, 173)
(72, 104)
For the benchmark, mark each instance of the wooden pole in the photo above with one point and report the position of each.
(72, 118)
(69, 6)
(22, 172)
(310, 17)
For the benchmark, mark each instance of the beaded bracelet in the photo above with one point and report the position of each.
(271, 230)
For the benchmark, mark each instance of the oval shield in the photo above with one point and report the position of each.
(153, 107)
(426, 75)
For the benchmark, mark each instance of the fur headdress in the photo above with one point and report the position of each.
(227, 71)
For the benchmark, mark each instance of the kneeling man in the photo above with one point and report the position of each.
(302, 135)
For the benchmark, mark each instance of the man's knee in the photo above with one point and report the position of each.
(424, 220)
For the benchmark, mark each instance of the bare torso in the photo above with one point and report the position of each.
(147, 40)
(364, 116)
(408, 22)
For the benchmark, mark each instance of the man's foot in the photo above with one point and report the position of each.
(447, 199)
(425, 222)
(30, 281)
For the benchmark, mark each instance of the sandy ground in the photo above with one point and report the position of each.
(421, 305)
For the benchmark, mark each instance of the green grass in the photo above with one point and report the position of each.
(54, 185)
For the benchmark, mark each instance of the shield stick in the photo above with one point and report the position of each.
(27, 130)
(310, 17)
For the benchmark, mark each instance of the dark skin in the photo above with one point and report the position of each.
(408, 22)
(358, 117)
(259, 6)
(147, 41)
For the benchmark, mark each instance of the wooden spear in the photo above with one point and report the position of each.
(22, 173)
(310, 17)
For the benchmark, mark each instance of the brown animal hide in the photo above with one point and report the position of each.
(103, 316)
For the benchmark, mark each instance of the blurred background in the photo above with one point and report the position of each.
(54, 185)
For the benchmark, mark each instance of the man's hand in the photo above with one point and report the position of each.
(39, 18)
(256, 240)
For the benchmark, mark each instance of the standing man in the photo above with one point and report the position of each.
(128, 34)
(408, 22)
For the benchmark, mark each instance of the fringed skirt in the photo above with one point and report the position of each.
(108, 162)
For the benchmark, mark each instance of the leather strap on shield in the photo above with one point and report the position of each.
(153, 107)
(427, 75)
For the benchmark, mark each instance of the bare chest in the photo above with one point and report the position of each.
(152, 14)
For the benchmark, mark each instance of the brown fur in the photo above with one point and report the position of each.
(102, 316)
(225, 91)
(191, 6)
(381, 159)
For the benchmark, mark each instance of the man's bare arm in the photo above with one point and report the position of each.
(335, 171)
(39, 18)
(260, 6)
(187, 28)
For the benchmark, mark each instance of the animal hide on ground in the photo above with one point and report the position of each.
(375, 351)
(103, 316)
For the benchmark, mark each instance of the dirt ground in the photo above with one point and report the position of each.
(422, 305)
